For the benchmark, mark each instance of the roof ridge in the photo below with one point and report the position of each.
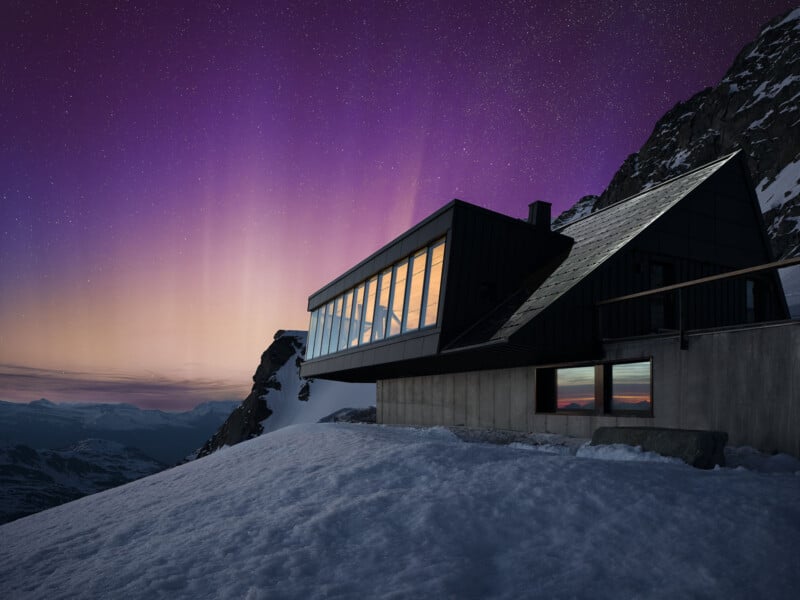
(671, 180)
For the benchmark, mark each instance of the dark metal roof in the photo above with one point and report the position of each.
(599, 235)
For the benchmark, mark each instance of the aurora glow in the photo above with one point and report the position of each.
(177, 178)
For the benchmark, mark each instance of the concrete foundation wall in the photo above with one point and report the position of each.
(745, 382)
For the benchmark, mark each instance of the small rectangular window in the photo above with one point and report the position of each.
(382, 304)
(369, 310)
(347, 309)
(630, 387)
(575, 388)
(414, 302)
(399, 278)
(433, 284)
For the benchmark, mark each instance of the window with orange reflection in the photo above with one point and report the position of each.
(630, 387)
(575, 388)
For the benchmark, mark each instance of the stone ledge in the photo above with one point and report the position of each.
(701, 449)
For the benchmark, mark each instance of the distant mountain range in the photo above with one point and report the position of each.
(756, 108)
(53, 453)
(167, 437)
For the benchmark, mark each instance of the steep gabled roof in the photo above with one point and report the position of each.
(600, 235)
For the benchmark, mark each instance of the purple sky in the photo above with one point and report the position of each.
(176, 178)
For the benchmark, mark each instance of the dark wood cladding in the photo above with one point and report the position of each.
(487, 258)
(491, 255)
(715, 229)
(431, 229)
(514, 295)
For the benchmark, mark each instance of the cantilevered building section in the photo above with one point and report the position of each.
(655, 311)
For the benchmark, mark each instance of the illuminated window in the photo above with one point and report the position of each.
(326, 331)
(630, 387)
(382, 305)
(433, 284)
(398, 297)
(320, 327)
(575, 388)
(312, 330)
(414, 303)
(369, 310)
(401, 298)
(347, 309)
(358, 312)
(336, 325)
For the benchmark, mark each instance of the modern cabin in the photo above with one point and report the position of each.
(664, 310)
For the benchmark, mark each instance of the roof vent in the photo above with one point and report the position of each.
(539, 214)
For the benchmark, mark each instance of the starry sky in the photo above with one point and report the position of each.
(177, 177)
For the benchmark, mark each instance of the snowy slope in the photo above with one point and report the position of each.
(365, 511)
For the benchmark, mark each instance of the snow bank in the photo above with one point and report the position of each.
(364, 511)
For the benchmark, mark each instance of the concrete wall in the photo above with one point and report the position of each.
(745, 382)
(498, 399)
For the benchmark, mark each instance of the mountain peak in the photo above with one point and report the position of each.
(754, 108)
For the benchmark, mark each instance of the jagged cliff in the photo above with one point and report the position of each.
(245, 421)
(756, 107)
(281, 397)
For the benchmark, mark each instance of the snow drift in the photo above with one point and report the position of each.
(349, 511)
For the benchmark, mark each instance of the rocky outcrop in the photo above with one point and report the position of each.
(245, 421)
(352, 415)
(755, 108)
(700, 449)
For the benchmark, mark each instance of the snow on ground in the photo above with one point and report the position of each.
(325, 397)
(366, 511)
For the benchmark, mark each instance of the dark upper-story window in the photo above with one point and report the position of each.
(662, 306)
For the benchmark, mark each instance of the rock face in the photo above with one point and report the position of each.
(245, 421)
(352, 415)
(281, 397)
(755, 108)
